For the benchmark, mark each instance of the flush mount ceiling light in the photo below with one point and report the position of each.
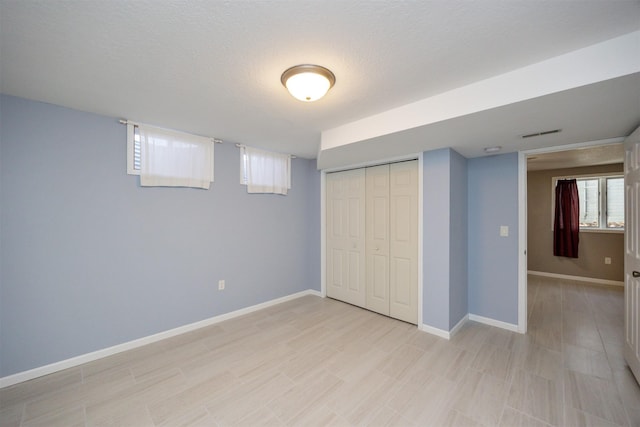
(308, 82)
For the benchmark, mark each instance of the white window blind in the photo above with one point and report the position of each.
(167, 158)
(615, 202)
(133, 149)
(265, 171)
(588, 195)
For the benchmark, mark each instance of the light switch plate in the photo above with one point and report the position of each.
(504, 231)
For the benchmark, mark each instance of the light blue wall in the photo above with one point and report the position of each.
(458, 289)
(445, 238)
(89, 259)
(436, 220)
(493, 260)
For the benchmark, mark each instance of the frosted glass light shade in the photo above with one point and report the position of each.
(308, 83)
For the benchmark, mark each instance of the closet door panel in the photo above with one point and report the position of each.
(346, 236)
(403, 241)
(377, 238)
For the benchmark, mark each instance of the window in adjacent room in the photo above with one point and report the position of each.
(601, 200)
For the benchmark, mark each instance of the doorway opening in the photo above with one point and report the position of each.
(596, 161)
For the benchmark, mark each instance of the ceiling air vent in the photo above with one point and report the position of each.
(546, 132)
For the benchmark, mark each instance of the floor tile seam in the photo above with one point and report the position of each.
(608, 379)
(276, 396)
(66, 408)
(373, 391)
(598, 417)
(590, 413)
(620, 394)
(344, 421)
(23, 414)
(82, 401)
(52, 394)
(84, 410)
(298, 411)
(506, 397)
(372, 415)
(273, 413)
(532, 416)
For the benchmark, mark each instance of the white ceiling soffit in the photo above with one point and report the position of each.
(590, 156)
(591, 94)
(595, 112)
(213, 67)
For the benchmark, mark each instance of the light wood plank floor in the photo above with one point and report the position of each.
(316, 361)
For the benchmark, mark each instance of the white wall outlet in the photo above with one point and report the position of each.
(607, 260)
(220, 285)
(504, 231)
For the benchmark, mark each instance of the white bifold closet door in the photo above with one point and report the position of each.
(377, 238)
(403, 241)
(345, 236)
(382, 202)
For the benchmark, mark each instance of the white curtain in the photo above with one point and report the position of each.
(266, 172)
(174, 159)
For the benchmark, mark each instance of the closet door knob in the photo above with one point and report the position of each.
(636, 274)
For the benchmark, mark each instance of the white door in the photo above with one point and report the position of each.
(377, 238)
(632, 252)
(345, 236)
(403, 241)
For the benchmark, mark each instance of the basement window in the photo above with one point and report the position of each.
(265, 171)
(168, 158)
(601, 199)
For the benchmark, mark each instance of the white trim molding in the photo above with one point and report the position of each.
(577, 278)
(435, 331)
(492, 322)
(458, 326)
(109, 351)
(447, 335)
(522, 243)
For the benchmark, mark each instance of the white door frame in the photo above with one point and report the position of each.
(522, 217)
(323, 218)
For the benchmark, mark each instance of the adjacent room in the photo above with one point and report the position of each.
(319, 213)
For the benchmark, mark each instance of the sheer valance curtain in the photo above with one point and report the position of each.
(566, 226)
(174, 159)
(265, 171)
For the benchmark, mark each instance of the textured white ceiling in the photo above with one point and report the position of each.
(591, 156)
(213, 67)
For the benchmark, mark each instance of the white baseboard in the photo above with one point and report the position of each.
(109, 351)
(492, 322)
(441, 332)
(459, 325)
(577, 278)
(435, 331)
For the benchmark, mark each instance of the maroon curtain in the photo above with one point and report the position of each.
(566, 224)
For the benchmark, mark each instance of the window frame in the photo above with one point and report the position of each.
(602, 200)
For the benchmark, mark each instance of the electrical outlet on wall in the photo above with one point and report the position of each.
(220, 285)
(607, 260)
